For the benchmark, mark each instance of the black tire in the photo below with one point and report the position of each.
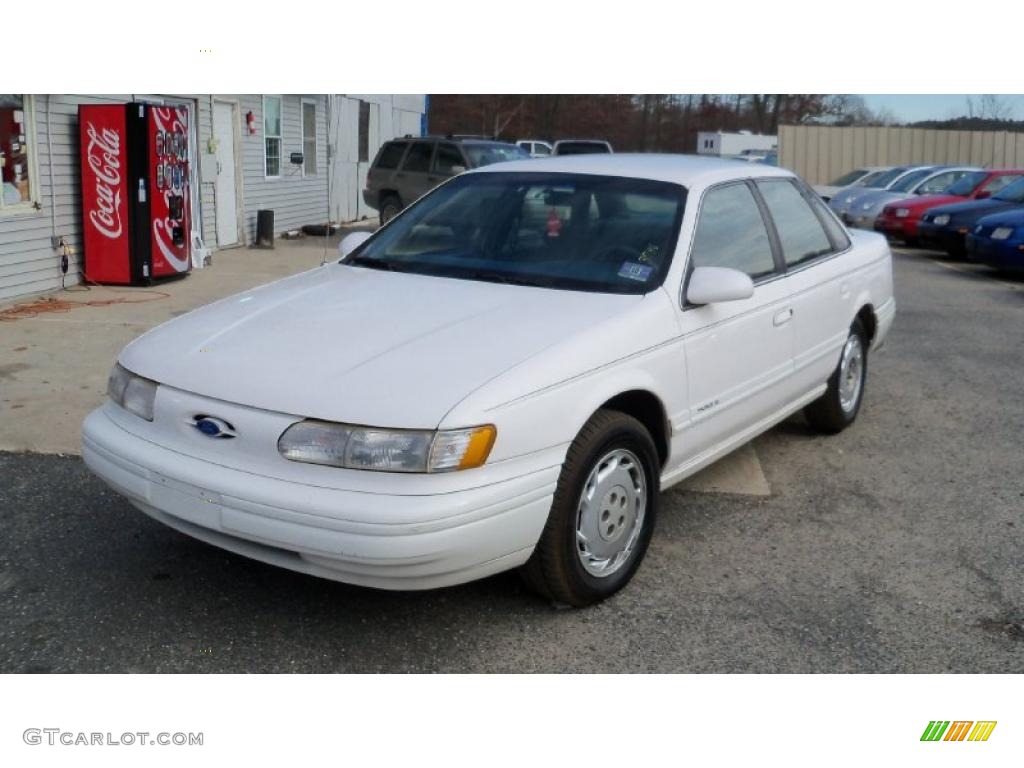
(556, 570)
(828, 413)
(390, 206)
(911, 242)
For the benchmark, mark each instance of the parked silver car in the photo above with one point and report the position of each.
(845, 200)
(922, 181)
(858, 177)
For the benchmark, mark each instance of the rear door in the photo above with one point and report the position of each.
(812, 242)
(413, 179)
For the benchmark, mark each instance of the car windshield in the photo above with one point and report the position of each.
(966, 184)
(553, 230)
(883, 179)
(488, 154)
(848, 178)
(911, 180)
(582, 148)
(1013, 193)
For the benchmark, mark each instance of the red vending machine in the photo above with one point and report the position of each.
(135, 192)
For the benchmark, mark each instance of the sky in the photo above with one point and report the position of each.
(912, 107)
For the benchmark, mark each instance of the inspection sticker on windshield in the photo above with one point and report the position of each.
(635, 271)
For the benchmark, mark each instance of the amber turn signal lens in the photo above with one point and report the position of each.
(479, 448)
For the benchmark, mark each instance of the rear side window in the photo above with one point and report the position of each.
(840, 240)
(418, 159)
(448, 156)
(800, 231)
(731, 232)
(391, 155)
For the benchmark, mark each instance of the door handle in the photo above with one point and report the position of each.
(783, 317)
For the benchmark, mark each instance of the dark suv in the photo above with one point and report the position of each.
(406, 169)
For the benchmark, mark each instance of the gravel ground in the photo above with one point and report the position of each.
(897, 546)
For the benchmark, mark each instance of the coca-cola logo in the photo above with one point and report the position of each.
(103, 158)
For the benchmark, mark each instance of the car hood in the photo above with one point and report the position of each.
(925, 202)
(358, 345)
(1008, 218)
(846, 199)
(972, 209)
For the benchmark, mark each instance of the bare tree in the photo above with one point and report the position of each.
(988, 106)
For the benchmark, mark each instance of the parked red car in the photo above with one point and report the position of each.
(899, 219)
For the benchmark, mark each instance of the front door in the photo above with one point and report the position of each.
(739, 354)
(226, 192)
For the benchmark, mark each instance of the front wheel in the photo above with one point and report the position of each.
(835, 410)
(603, 513)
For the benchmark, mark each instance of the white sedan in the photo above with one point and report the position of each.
(505, 376)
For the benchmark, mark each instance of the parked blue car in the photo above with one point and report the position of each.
(998, 241)
(945, 228)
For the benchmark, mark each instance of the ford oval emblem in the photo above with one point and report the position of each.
(211, 426)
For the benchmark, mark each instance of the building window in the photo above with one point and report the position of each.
(309, 138)
(16, 161)
(272, 135)
(364, 131)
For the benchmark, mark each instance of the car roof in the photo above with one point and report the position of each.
(687, 170)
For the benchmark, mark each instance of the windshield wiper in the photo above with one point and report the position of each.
(389, 266)
(504, 277)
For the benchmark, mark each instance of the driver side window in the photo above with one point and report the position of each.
(731, 232)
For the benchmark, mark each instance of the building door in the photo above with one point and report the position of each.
(226, 191)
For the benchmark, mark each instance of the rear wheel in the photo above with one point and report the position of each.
(603, 513)
(390, 206)
(835, 410)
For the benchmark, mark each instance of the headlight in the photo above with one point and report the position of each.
(1002, 233)
(386, 450)
(902, 213)
(131, 392)
(867, 206)
(942, 220)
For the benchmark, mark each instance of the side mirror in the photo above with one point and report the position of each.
(709, 285)
(457, 169)
(983, 195)
(351, 241)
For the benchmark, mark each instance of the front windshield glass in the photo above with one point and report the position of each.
(554, 230)
(966, 184)
(1013, 193)
(883, 179)
(488, 154)
(911, 180)
(848, 178)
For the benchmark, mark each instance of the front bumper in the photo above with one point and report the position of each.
(860, 220)
(1006, 255)
(940, 238)
(443, 539)
(895, 227)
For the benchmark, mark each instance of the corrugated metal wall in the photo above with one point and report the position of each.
(823, 153)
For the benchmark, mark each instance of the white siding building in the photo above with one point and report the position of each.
(360, 123)
(240, 149)
(722, 144)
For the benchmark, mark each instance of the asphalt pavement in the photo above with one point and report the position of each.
(897, 546)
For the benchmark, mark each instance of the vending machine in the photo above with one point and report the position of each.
(135, 192)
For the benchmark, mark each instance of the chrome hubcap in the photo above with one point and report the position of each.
(611, 513)
(851, 373)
